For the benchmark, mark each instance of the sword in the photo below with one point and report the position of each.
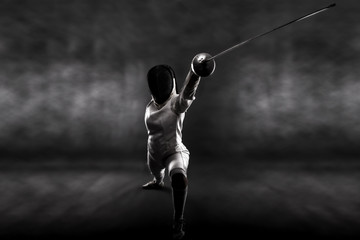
(272, 30)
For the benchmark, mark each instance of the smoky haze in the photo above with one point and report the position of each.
(73, 75)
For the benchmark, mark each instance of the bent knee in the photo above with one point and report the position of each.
(179, 181)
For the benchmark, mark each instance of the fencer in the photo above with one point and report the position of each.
(164, 118)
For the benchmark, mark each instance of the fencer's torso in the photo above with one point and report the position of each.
(164, 125)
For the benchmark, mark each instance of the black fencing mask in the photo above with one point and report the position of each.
(161, 82)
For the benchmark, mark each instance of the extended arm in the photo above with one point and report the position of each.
(190, 85)
(200, 67)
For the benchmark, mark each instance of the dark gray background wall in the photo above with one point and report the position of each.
(72, 75)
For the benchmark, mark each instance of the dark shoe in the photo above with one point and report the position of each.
(153, 185)
(178, 229)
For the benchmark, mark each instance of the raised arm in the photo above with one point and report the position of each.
(190, 86)
(200, 67)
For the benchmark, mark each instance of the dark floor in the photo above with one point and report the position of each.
(248, 199)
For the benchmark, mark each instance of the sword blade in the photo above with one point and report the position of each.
(272, 30)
